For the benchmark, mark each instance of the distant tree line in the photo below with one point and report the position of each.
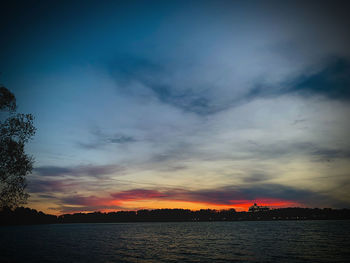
(23, 215)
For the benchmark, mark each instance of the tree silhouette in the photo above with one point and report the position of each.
(15, 131)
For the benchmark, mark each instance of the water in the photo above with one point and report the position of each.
(263, 241)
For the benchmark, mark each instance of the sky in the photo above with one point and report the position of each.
(182, 104)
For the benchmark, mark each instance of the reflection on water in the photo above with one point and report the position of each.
(267, 241)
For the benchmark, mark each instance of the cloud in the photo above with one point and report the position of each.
(273, 194)
(78, 171)
(63, 186)
(86, 200)
(138, 194)
(143, 78)
(50, 186)
(101, 139)
(265, 150)
(120, 138)
(235, 195)
(325, 154)
(52, 170)
(65, 180)
(332, 81)
(256, 177)
(292, 149)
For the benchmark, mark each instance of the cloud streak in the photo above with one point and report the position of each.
(101, 139)
(141, 77)
(78, 171)
(333, 81)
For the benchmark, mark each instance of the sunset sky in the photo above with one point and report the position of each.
(182, 104)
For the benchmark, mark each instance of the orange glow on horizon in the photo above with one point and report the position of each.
(238, 205)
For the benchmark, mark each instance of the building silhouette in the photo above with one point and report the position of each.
(257, 208)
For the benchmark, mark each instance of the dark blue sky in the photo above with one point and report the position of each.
(182, 103)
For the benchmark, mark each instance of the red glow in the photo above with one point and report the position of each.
(153, 199)
(243, 205)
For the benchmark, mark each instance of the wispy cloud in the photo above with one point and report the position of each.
(78, 171)
(144, 78)
(101, 139)
(51, 186)
(332, 81)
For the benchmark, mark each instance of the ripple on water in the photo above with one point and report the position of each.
(269, 241)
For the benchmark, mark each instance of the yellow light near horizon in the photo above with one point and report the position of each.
(160, 204)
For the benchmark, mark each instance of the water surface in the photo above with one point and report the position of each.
(249, 241)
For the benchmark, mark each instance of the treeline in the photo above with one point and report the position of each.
(23, 215)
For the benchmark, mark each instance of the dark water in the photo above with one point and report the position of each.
(268, 241)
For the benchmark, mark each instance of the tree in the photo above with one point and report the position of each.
(15, 131)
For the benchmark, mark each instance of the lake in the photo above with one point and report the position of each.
(248, 241)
